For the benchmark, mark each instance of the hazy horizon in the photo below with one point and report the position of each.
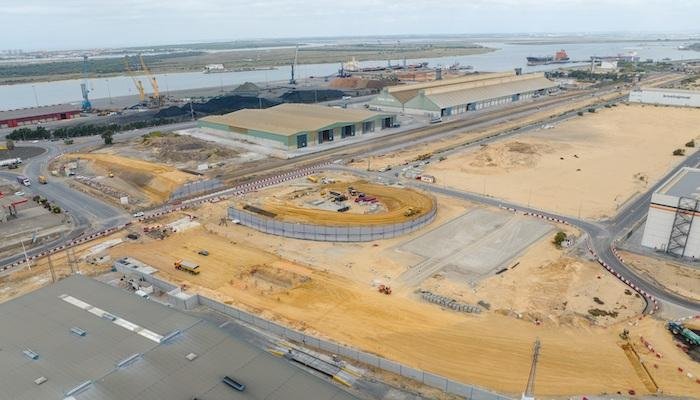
(81, 24)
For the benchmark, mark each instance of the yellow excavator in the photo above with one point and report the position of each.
(137, 83)
(154, 83)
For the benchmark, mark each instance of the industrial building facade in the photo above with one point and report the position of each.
(671, 225)
(668, 97)
(30, 116)
(295, 126)
(460, 95)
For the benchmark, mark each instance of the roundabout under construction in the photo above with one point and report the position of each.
(329, 210)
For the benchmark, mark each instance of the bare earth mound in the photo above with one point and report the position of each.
(588, 166)
(156, 181)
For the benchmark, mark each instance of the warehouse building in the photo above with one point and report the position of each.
(667, 97)
(30, 116)
(293, 126)
(80, 339)
(460, 95)
(671, 225)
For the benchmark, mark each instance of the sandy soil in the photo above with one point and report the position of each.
(549, 285)
(396, 205)
(589, 165)
(679, 278)
(410, 154)
(155, 181)
(490, 350)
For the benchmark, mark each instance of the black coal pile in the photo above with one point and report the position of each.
(219, 105)
(311, 96)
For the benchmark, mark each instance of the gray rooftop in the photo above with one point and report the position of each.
(685, 183)
(37, 111)
(42, 320)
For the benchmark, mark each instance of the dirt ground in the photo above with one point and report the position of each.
(549, 285)
(679, 278)
(491, 349)
(587, 166)
(153, 180)
(394, 204)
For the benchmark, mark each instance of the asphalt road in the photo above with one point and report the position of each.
(88, 213)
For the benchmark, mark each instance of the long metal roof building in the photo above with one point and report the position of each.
(290, 126)
(469, 93)
(80, 339)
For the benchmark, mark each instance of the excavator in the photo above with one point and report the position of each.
(137, 83)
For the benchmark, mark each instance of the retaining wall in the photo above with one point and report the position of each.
(329, 233)
(447, 385)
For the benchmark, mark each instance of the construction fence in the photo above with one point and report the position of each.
(177, 300)
(193, 188)
(329, 233)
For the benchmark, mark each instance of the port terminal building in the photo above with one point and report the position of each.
(464, 94)
(31, 116)
(667, 97)
(670, 225)
(294, 126)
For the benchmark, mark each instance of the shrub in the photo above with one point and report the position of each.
(559, 238)
(678, 152)
(690, 144)
(598, 301)
(591, 110)
(580, 113)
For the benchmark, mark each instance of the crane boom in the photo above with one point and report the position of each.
(87, 106)
(530, 389)
(137, 83)
(154, 82)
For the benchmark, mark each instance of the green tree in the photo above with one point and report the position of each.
(559, 238)
(108, 137)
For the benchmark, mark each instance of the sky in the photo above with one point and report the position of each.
(78, 24)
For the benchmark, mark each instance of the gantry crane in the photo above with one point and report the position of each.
(137, 83)
(154, 83)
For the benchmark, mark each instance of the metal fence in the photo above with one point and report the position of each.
(447, 385)
(329, 233)
(193, 188)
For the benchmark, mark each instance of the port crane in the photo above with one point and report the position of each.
(87, 106)
(154, 83)
(137, 83)
(292, 80)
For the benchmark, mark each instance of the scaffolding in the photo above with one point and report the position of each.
(682, 223)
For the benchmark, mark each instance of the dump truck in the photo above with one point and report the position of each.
(42, 180)
(187, 266)
(689, 336)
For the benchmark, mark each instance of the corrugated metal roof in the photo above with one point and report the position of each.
(38, 111)
(407, 92)
(456, 97)
(290, 119)
(41, 321)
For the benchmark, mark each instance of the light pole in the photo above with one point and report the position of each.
(109, 92)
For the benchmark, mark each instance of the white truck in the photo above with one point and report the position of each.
(23, 180)
(10, 161)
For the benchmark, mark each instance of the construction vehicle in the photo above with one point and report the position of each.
(156, 98)
(137, 83)
(384, 289)
(187, 266)
(688, 336)
(42, 180)
(625, 335)
(312, 178)
(411, 211)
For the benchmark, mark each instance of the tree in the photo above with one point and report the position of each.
(107, 136)
(10, 144)
(559, 238)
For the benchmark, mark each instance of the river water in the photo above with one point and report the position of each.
(506, 57)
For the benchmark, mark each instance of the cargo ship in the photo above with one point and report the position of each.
(629, 57)
(559, 58)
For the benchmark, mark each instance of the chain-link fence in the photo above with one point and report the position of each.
(329, 233)
(192, 188)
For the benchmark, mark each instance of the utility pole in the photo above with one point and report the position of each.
(530, 389)
(26, 259)
(53, 273)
